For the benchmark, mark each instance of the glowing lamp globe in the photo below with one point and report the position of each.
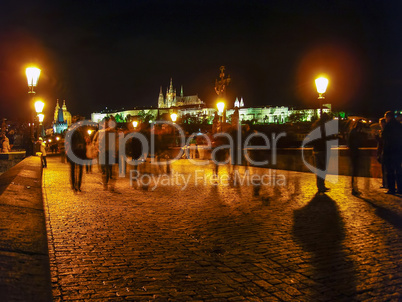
(220, 106)
(39, 106)
(41, 117)
(32, 76)
(321, 83)
(173, 116)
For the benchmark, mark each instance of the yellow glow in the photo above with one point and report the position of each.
(39, 106)
(321, 83)
(135, 124)
(173, 116)
(49, 140)
(89, 131)
(57, 138)
(32, 76)
(41, 117)
(220, 106)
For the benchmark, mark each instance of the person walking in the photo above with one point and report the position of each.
(42, 148)
(392, 153)
(108, 150)
(90, 153)
(76, 154)
(355, 140)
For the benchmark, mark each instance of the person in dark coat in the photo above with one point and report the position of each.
(380, 146)
(392, 152)
(320, 152)
(355, 141)
(76, 146)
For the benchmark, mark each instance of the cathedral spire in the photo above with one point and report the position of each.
(237, 104)
(181, 91)
(161, 100)
(171, 86)
(56, 111)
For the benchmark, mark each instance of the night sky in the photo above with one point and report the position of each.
(117, 54)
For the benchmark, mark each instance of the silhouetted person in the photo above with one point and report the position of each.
(108, 150)
(320, 153)
(89, 154)
(5, 145)
(380, 147)
(392, 152)
(76, 154)
(355, 140)
(42, 148)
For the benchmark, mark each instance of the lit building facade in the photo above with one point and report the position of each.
(173, 100)
(192, 106)
(62, 118)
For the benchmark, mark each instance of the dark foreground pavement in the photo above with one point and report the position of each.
(24, 259)
(216, 242)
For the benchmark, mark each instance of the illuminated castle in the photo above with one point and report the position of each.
(62, 118)
(173, 100)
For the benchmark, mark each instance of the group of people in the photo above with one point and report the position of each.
(389, 152)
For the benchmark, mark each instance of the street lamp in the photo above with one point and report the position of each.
(221, 108)
(41, 117)
(173, 116)
(38, 108)
(32, 74)
(135, 124)
(321, 83)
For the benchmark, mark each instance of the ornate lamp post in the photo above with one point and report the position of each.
(39, 108)
(32, 74)
(41, 117)
(220, 89)
(173, 117)
(321, 83)
(221, 108)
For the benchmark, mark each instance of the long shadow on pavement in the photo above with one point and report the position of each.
(319, 229)
(385, 214)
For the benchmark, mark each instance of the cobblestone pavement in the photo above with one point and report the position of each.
(215, 241)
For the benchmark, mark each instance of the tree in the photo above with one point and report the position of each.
(297, 117)
(145, 117)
